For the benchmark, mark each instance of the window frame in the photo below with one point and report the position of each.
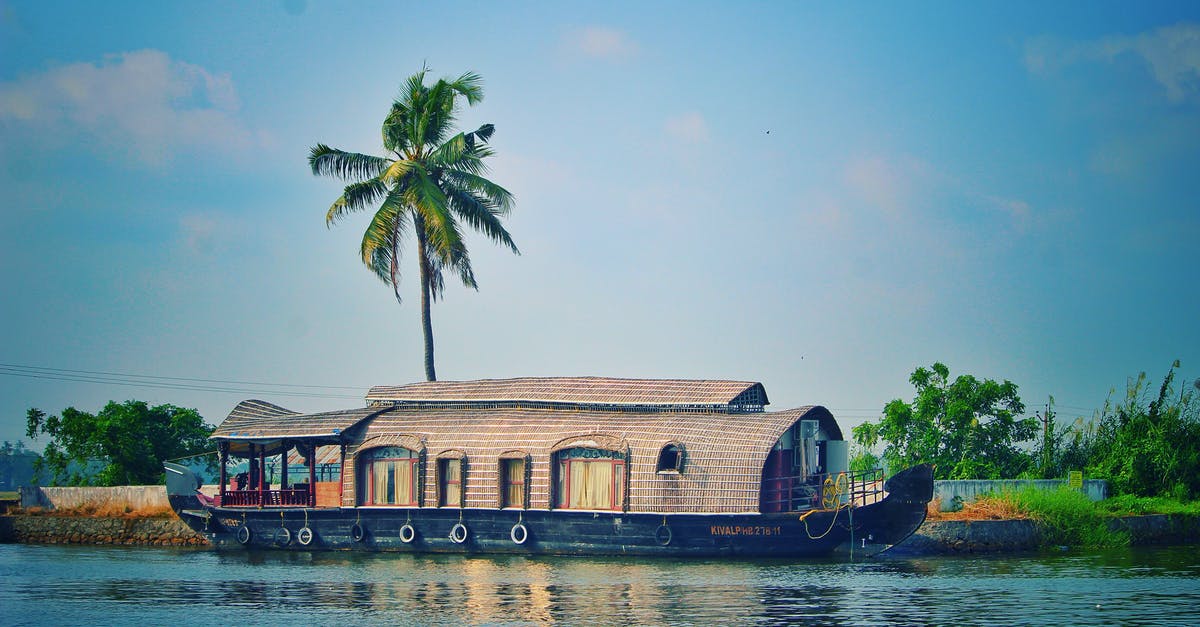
(366, 474)
(506, 483)
(443, 464)
(677, 467)
(562, 480)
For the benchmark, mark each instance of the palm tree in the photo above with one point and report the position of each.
(428, 185)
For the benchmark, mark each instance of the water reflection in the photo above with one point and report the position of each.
(1130, 587)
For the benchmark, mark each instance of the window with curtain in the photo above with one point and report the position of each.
(450, 472)
(512, 490)
(590, 479)
(388, 476)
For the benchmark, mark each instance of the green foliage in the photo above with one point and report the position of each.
(430, 184)
(863, 460)
(1130, 505)
(968, 428)
(1149, 444)
(16, 465)
(1067, 517)
(129, 439)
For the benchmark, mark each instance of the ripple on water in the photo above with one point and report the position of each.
(64, 584)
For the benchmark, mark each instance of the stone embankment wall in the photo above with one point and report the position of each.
(132, 496)
(1014, 536)
(80, 530)
(952, 494)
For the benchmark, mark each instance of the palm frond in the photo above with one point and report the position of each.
(469, 85)
(381, 243)
(481, 215)
(501, 199)
(326, 161)
(395, 172)
(356, 197)
(427, 198)
(450, 152)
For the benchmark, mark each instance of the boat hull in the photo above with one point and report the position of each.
(862, 530)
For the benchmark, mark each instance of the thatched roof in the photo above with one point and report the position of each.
(265, 424)
(609, 392)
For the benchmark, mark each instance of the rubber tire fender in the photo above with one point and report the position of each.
(304, 536)
(358, 533)
(408, 533)
(663, 535)
(519, 533)
(458, 533)
(244, 535)
(282, 537)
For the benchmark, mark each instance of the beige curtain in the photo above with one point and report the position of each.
(591, 484)
(382, 495)
(452, 481)
(404, 482)
(514, 478)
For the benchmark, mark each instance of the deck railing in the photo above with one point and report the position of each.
(821, 491)
(291, 497)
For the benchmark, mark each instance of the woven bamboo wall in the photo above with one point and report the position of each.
(722, 472)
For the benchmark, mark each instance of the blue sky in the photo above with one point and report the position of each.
(817, 197)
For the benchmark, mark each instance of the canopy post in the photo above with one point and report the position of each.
(312, 475)
(262, 476)
(224, 448)
(283, 455)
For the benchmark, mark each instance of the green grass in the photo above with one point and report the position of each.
(1067, 517)
(9, 496)
(1130, 505)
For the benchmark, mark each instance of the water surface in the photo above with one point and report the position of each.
(155, 586)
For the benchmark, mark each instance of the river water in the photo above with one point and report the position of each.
(78, 585)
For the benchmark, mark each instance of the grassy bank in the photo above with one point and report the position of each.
(1067, 517)
(107, 510)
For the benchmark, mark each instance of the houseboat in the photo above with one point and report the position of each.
(584, 465)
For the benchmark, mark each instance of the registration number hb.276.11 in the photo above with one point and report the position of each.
(750, 530)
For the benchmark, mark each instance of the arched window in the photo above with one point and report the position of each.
(590, 478)
(388, 476)
(670, 459)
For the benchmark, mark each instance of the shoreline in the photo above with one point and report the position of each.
(950, 537)
(935, 537)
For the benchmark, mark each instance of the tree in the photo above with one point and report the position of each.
(129, 439)
(429, 184)
(967, 428)
(16, 465)
(1149, 444)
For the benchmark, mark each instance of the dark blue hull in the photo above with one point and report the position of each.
(864, 530)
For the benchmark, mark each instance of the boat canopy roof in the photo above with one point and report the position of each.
(264, 424)
(711, 395)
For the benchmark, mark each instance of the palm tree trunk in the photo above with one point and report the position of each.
(426, 322)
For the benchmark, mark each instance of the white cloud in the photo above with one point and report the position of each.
(688, 127)
(1171, 55)
(139, 105)
(600, 42)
